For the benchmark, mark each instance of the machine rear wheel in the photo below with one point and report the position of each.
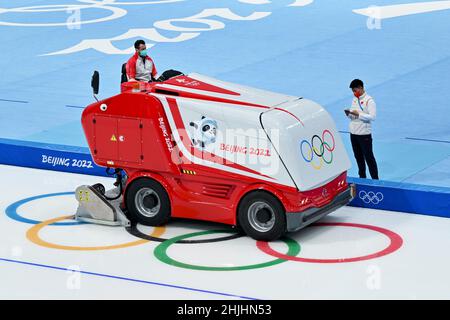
(262, 216)
(148, 202)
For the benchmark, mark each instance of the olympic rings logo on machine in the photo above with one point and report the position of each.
(318, 148)
(371, 197)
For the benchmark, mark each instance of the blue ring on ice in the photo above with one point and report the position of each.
(11, 210)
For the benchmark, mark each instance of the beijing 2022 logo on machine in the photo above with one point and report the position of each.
(318, 150)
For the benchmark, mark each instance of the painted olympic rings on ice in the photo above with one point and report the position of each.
(320, 148)
(161, 254)
(33, 236)
(11, 210)
(395, 242)
(133, 230)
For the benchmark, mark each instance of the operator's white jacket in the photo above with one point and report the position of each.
(367, 113)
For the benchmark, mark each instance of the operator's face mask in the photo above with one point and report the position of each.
(143, 53)
(357, 93)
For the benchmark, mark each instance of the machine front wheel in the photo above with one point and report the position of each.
(262, 216)
(148, 202)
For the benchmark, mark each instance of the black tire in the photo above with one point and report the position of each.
(147, 202)
(262, 216)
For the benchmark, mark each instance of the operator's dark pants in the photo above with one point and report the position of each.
(362, 149)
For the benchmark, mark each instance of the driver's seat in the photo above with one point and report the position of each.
(124, 77)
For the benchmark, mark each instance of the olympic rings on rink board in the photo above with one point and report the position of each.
(160, 253)
(370, 197)
(395, 243)
(33, 236)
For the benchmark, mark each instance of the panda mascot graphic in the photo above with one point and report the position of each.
(205, 131)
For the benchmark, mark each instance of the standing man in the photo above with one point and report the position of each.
(140, 67)
(362, 112)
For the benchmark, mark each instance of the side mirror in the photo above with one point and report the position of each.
(95, 83)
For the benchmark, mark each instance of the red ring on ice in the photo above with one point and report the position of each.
(396, 242)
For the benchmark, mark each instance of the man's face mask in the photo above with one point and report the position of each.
(143, 53)
(357, 93)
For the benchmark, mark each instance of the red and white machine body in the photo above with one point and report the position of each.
(209, 143)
